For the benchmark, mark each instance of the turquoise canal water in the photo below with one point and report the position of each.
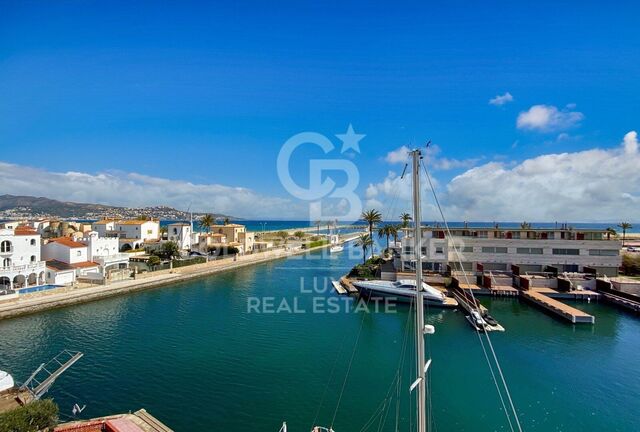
(193, 356)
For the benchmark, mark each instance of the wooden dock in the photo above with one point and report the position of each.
(346, 284)
(539, 298)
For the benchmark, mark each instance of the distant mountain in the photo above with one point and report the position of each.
(17, 207)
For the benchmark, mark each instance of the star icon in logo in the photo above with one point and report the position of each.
(350, 140)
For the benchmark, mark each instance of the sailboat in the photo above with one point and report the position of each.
(421, 330)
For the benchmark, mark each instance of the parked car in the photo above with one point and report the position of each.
(633, 249)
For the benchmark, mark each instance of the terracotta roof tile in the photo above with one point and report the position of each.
(68, 242)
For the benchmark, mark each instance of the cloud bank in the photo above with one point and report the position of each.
(592, 185)
(138, 190)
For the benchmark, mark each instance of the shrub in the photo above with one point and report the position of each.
(35, 416)
(316, 243)
(630, 264)
(188, 262)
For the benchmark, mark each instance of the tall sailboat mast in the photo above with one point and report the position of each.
(420, 329)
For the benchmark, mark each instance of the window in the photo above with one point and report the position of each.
(494, 249)
(529, 251)
(483, 234)
(603, 252)
(439, 250)
(33, 258)
(5, 246)
(408, 250)
(468, 249)
(78, 253)
(566, 251)
(33, 242)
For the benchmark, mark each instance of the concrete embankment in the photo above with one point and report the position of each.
(68, 296)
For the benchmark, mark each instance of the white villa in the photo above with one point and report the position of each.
(132, 234)
(105, 251)
(64, 254)
(180, 232)
(20, 264)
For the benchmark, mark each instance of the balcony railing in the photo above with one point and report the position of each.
(24, 268)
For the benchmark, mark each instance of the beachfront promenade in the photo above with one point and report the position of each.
(65, 296)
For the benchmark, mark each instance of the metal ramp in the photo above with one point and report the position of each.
(45, 375)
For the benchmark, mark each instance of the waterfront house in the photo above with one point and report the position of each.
(180, 232)
(209, 241)
(134, 233)
(72, 253)
(20, 261)
(105, 228)
(237, 235)
(105, 251)
(497, 249)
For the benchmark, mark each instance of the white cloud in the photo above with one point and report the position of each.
(630, 142)
(433, 161)
(138, 190)
(548, 118)
(501, 99)
(400, 155)
(589, 185)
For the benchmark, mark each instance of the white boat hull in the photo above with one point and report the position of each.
(404, 295)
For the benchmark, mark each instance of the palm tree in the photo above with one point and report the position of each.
(226, 220)
(405, 218)
(625, 226)
(371, 217)
(317, 224)
(207, 222)
(163, 231)
(525, 225)
(385, 231)
(394, 232)
(610, 232)
(364, 241)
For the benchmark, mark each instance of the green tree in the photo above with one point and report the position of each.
(364, 241)
(283, 235)
(371, 217)
(299, 234)
(525, 225)
(153, 262)
(226, 220)
(170, 250)
(207, 222)
(317, 224)
(624, 226)
(405, 218)
(610, 232)
(35, 416)
(386, 231)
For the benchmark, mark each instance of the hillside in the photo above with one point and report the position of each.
(15, 207)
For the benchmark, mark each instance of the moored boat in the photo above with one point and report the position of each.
(405, 290)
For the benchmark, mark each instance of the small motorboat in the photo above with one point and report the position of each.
(336, 248)
(476, 320)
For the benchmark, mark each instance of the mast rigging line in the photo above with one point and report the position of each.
(493, 353)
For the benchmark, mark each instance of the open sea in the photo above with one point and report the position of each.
(196, 357)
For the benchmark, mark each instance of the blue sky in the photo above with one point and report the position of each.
(207, 92)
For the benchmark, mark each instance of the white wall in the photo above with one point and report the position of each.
(100, 246)
(63, 277)
(147, 230)
(181, 234)
(25, 249)
(66, 254)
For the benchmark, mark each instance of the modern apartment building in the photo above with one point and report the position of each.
(531, 249)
